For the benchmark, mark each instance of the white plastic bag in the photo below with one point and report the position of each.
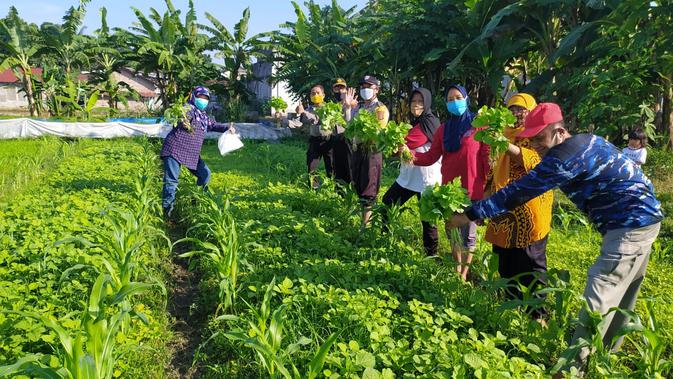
(229, 142)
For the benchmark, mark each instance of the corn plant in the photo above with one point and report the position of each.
(146, 205)
(87, 352)
(217, 224)
(592, 347)
(266, 337)
(650, 342)
(118, 242)
(568, 218)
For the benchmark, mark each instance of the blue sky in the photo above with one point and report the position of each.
(265, 14)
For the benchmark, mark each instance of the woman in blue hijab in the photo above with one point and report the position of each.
(462, 157)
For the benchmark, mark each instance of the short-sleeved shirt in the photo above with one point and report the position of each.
(637, 155)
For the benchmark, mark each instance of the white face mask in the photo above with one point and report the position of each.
(367, 93)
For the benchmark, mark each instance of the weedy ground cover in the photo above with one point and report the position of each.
(94, 308)
(394, 312)
(292, 287)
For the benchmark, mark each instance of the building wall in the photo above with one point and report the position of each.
(264, 91)
(11, 98)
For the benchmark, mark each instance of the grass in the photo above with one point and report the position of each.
(23, 161)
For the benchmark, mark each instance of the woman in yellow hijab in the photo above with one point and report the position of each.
(519, 237)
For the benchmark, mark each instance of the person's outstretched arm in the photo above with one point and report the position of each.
(550, 173)
(431, 156)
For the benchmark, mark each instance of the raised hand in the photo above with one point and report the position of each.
(300, 109)
(350, 98)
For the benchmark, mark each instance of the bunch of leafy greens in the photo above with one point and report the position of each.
(439, 203)
(278, 104)
(330, 115)
(364, 129)
(392, 137)
(177, 113)
(493, 120)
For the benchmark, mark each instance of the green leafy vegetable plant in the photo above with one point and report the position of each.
(367, 131)
(177, 113)
(392, 137)
(278, 104)
(441, 202)
(364, 129)
(493, 120)
(330, 115)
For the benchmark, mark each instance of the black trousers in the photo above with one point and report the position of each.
(319, 148)
(399, 195)
(517, 261)
(343, 156)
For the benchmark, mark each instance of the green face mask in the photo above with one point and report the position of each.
(201, 104)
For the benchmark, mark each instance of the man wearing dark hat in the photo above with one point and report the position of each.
(609, 188)
(366, 166)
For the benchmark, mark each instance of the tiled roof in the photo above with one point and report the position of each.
(8, 76)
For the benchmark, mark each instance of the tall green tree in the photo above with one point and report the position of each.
(321, 46)
(168, 49)
(109, 58)
(65, 42)
(237, 51)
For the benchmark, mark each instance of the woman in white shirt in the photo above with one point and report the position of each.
(414, 179)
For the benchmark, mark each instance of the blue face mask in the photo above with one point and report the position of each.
(457, 107)
(201, 104)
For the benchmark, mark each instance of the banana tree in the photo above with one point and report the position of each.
(107, 60)
(65, 42)
(21, 54)
(319, 47)
(236, 49)
(168, 49)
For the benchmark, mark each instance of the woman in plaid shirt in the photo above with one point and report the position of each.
(182, 147)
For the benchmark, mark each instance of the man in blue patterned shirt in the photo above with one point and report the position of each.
(607, 186)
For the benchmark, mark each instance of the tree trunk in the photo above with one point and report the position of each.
(666, 112)
(28, 86)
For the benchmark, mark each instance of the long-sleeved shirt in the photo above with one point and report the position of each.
(602, 182)
(185, 146)
(310, 118)
(417, 178)
(470, 162)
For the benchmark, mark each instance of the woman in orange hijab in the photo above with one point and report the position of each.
(519, 237)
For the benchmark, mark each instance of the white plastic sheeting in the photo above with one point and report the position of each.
(28, 128)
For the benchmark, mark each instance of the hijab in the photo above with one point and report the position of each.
(428, 121)
(198, 116)
(456, 126)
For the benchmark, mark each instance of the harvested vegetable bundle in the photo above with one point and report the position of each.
(439, 203)
(494, 120)
(330, 116)
(177, 113)
(364, 129)
(392, 137)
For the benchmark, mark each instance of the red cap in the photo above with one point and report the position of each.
(538, 119)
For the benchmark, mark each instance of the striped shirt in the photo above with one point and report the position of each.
(602, 182)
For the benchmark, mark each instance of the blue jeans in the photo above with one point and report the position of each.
(171, 175)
